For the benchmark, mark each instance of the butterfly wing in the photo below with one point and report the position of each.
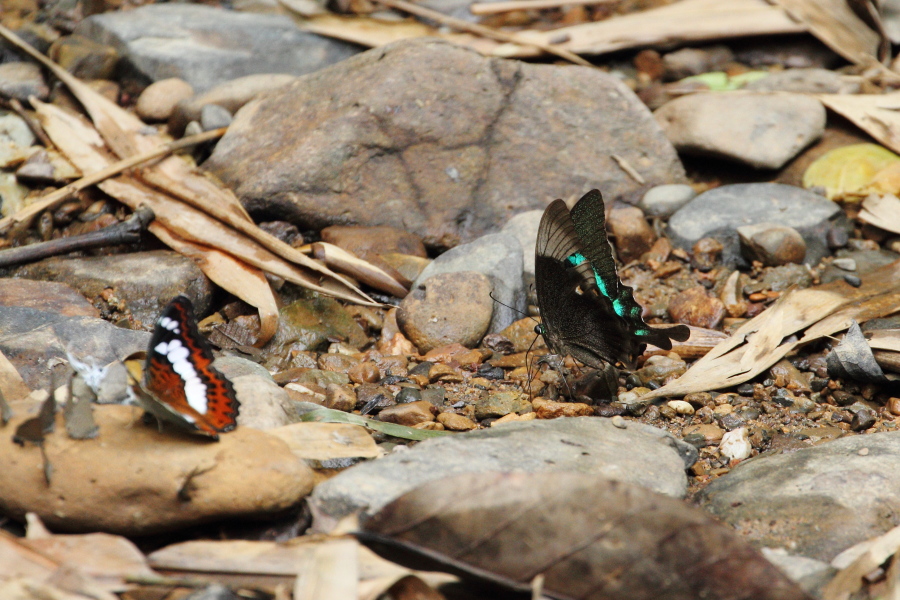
(589, 221)
(574, 321)
(180, 377)
(586, 311)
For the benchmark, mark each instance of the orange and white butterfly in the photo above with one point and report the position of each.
(179, 384)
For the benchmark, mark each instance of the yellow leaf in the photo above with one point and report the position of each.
(846, 173)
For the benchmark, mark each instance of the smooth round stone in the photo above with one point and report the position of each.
(663, 200)
(21, 80)
(105, 483)
(681, 407)
(158, 100)
(213, 116)
(771, 244)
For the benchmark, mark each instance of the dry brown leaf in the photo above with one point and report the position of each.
(872, 554)
(189, 229)
(108, 559)
(590, 538)
(228, 273)
(19, 560)
(128, 136)
(836, 26)
(767, 338)
(884, 339)
(328, 441)
(882, 211)
(333, 573)
(876, 114)
(364, 271)
(365, 31)
(685, 21)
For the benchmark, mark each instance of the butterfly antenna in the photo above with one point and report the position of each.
(512, 308)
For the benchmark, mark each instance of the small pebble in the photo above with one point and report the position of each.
(847, 264)
(619, 423)
(213, 116)
(663, 200)
(681, 407)
(863, 452)
(736, 444)
(853, 280)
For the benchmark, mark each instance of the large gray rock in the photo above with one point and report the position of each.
(145, 281)
(720, 211)
(206, 46)
(816, 502)
(638, 454)
(380, 140)
(29, 338)
(499, 256)
(763, 130)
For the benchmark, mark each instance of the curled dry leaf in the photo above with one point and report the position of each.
(797, 318)
(589, 537)
(186, 203)
(882, 211)
(364, 271)
(852, 358)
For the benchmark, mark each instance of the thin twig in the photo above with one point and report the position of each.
(53, 199)
(493, 8)
(126, 232)
(629, 170)
(481, 30)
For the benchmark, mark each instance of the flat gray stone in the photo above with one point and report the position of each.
(720, 211)
(380, 140)
(763, 130)
(637, 454)
(145, 281)
(817, 501)
(499, 256)
(206, 46)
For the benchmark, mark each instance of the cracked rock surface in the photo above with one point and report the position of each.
(440, 141)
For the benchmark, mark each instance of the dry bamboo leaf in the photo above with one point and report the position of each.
(328, 441)
(882, 211)
(836, 26)
(347, 262)
(108, 559)
(128, 136)
(876, 114)
(884, 339)
(685, 21)
(19, 560)
(850, 578)
(194, 231)
(229, 273)
(767, 338)
(365, 31)
(626, 542)
(333, 574)
(236, 556)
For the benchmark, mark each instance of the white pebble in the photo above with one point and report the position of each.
(681, 407)
(619, 422)
(736, 444)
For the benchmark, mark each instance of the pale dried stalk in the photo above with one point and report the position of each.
(483, 31)
(53, 199)
(493, 8)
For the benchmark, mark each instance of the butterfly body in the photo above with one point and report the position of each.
(179, 384)
(586, 311)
